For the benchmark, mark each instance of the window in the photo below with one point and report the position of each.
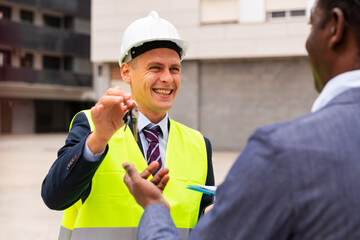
(296, 13)
(27, 60)
(68, 22)
(278, 14)
(52, 21)
(280, 9)
(68, 64)
(286, 14)
(219, 11)
(5, 12)
(100, 70)
(27, 16)
(58, 63)
(51, 63)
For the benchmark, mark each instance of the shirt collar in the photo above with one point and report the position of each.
(143, 121)
(336, 86)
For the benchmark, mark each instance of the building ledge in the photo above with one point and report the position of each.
(40, 91)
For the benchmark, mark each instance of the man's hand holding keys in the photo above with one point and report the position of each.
(107, 117)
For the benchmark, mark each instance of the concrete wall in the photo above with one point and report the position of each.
(276, 5)
(101, 77)
(82, 65)
(82, 26)
(239, 96)
(219, 11)
(23, 116)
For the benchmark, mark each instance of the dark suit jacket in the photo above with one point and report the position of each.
(294, 180)
(69, 178)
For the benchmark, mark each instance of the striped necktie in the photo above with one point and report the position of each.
(153, 153)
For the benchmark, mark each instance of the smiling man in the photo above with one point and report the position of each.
(154, 97)
(87, 177)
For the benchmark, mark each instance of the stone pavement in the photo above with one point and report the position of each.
(24, 162)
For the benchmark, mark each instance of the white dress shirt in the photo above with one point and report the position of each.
(143, 121)
(336, 86)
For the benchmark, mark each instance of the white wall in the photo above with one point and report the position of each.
(101, 80)
(252, 11)
(215, 11)
(274, 5)
(310, 4)
(38, 61)
(251, 38)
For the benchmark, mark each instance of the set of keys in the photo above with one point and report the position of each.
(131, 116)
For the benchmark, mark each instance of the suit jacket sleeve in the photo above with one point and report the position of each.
(206, 199)
(156, 223)
(70, 175)
(253, 202)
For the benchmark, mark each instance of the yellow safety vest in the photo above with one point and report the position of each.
(111, 211)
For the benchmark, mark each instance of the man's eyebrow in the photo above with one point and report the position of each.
(176, 65)
(154, 63)
(161, 64)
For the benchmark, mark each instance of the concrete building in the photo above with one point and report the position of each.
(246, 66)
(45, 68)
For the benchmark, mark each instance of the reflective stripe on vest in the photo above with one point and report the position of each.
(107, 233)
(110, 205)
(65, 233)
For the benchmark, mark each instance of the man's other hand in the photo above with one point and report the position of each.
(146, 192)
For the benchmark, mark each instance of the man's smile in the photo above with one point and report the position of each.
(163, 91)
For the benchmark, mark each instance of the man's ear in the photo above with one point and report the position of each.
(337, 27)
(125, 72)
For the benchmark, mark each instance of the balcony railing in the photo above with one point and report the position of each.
(76, 8)
(46, 77)
(64, 42)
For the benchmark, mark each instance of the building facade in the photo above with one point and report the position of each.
(45, 68)
(246, 66)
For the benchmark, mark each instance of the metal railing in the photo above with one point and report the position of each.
(76, 8)
(28, 36)
(46, 77)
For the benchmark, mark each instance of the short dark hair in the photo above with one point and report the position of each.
(351, 10)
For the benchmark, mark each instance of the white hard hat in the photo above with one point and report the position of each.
(148, 33)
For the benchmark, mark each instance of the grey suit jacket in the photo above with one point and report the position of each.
(294, 180)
